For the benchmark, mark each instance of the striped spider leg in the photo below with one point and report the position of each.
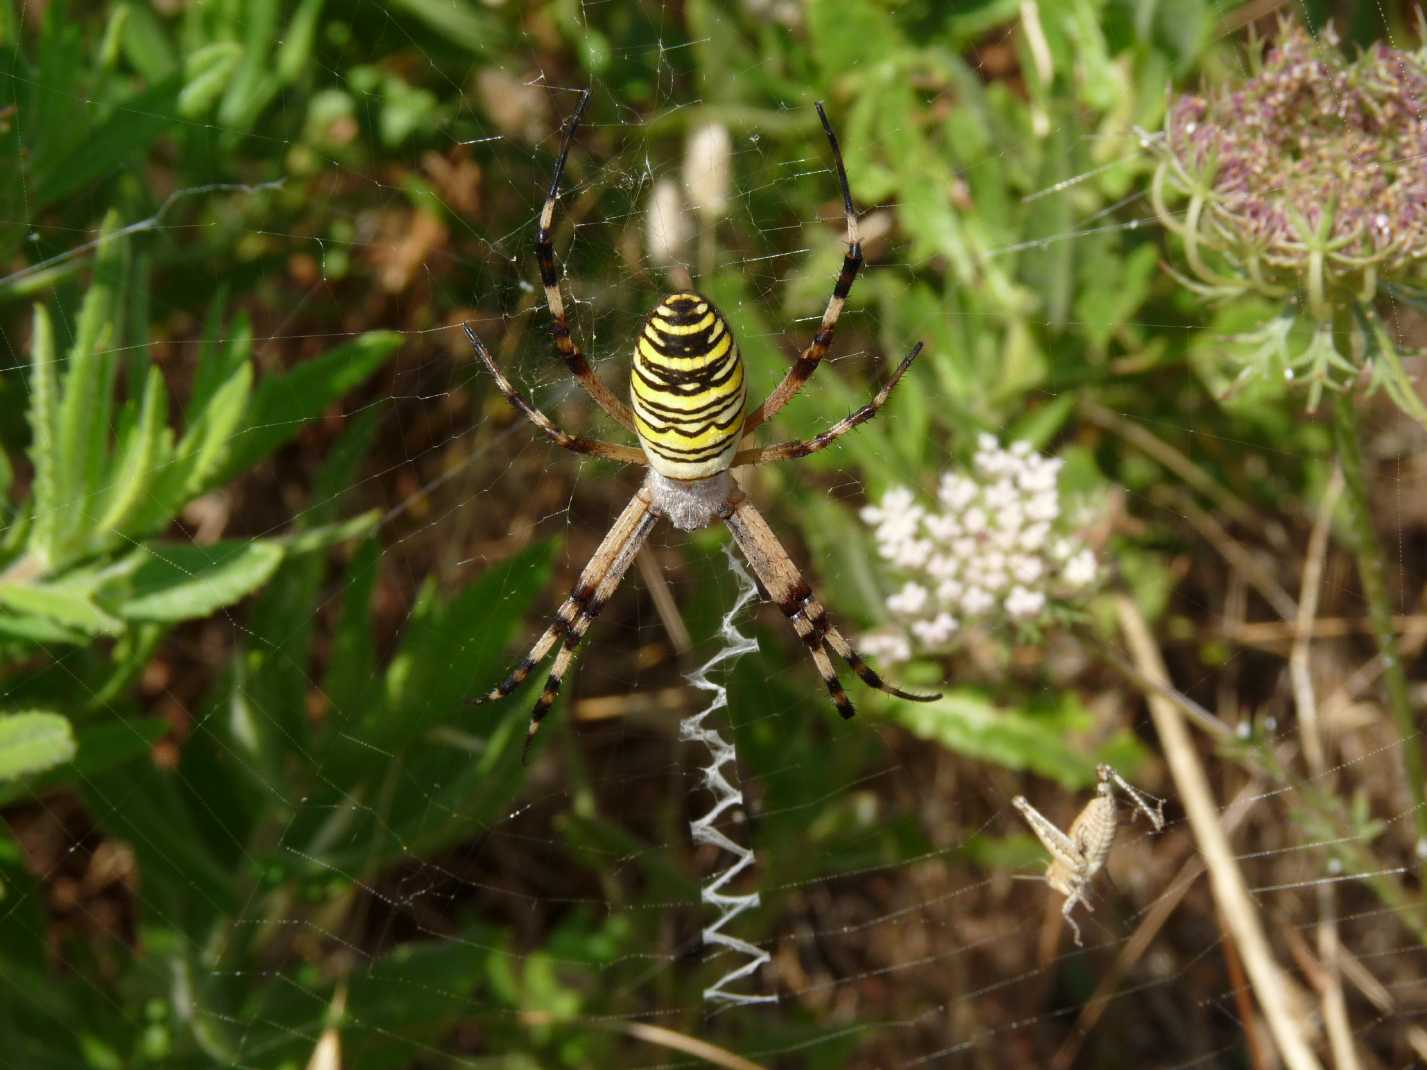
(1078, 854)
(565, 344)
(600, 577)
(598, 581)
(784, 451)
(574, 443)
(783, 585)
(812, 356)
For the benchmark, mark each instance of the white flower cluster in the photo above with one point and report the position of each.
(998, 547)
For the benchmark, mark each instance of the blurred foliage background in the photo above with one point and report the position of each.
(266, 528)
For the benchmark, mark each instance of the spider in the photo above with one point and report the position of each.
(1079, 853)
(688, 399)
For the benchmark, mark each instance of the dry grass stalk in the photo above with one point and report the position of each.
(1240, 916)
(1335, 1007)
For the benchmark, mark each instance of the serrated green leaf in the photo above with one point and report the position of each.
(87, 399)
(969, 723)
(138, 463)
(32, 741)
(282, 404)
(68, 602)
(180, 581)
(44, 435)
(199, 454)
(208, 442)
(39, 629)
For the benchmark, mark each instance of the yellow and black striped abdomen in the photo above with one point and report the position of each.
(687, 388)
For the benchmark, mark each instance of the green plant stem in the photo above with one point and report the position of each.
(1372, 574)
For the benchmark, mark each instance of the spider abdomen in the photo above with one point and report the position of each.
(687, 388)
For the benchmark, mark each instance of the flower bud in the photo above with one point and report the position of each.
(707, 164)
(666, 224)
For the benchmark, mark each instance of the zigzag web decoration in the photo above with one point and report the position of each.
(726, 797)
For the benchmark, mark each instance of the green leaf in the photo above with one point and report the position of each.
(1047, 267)
(282, 404)
(88, 396)
(969, 723)
(208, 73)
(180, 581)
(325, 537)
(352, 664)
(67, 602)
(121, 139)
(225, 349)
(207, 442)
(99, 747)
(33, 741)
(146, 45)
(143, 455)
(470, 632)
(464, 25)
(255, 83)
(847, 34)
(277, 661)
(295, 51)
(39, 629)
(44, 436)
(198, 455)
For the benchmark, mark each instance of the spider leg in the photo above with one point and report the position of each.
(597, 583)
(810, 357)
(784, 584)
(783, 451)
(565, 344)
(574, 443)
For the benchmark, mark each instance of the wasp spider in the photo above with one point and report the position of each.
(689, 396)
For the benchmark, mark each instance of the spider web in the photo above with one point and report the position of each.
(564, 922)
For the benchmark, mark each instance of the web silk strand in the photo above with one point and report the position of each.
(726, 796)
